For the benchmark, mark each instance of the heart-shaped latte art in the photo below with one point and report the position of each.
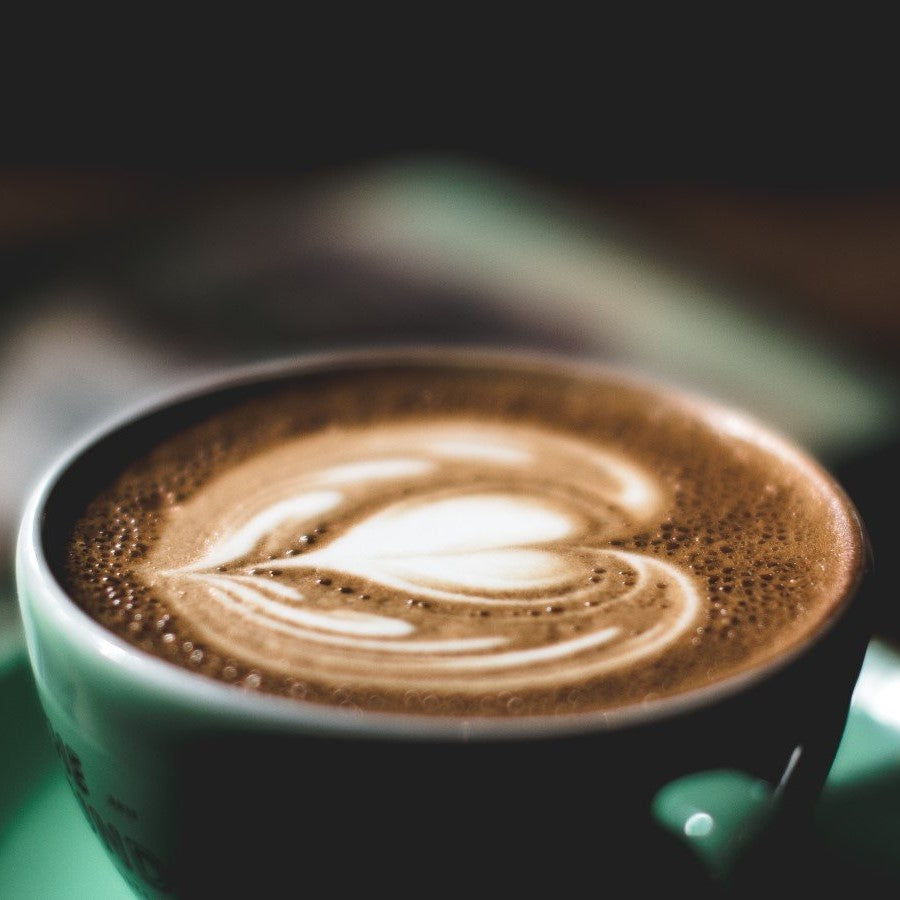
(467, 556)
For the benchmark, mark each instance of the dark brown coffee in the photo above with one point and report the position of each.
(466, 539)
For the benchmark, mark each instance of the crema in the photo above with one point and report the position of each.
(463, 538)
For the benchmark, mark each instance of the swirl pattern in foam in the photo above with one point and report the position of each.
(444, 524)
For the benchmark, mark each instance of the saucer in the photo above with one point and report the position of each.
(47, 850)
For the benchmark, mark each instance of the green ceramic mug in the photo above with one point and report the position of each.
(196, 787)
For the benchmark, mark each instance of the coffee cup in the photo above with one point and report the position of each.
(436, 620)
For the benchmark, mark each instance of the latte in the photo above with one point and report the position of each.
(464, 539)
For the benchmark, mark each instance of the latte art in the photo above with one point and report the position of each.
(460, 540)
(501, 523)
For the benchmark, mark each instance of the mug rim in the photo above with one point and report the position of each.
(177, 683)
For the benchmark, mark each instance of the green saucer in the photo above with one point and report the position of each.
(47, 850)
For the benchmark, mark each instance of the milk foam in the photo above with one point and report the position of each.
(448, 544)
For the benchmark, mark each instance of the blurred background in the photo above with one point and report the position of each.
(730, 260)
(775, 292)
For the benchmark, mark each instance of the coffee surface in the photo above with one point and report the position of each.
(465, 540)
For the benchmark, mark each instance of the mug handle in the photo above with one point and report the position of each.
(718, 814)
